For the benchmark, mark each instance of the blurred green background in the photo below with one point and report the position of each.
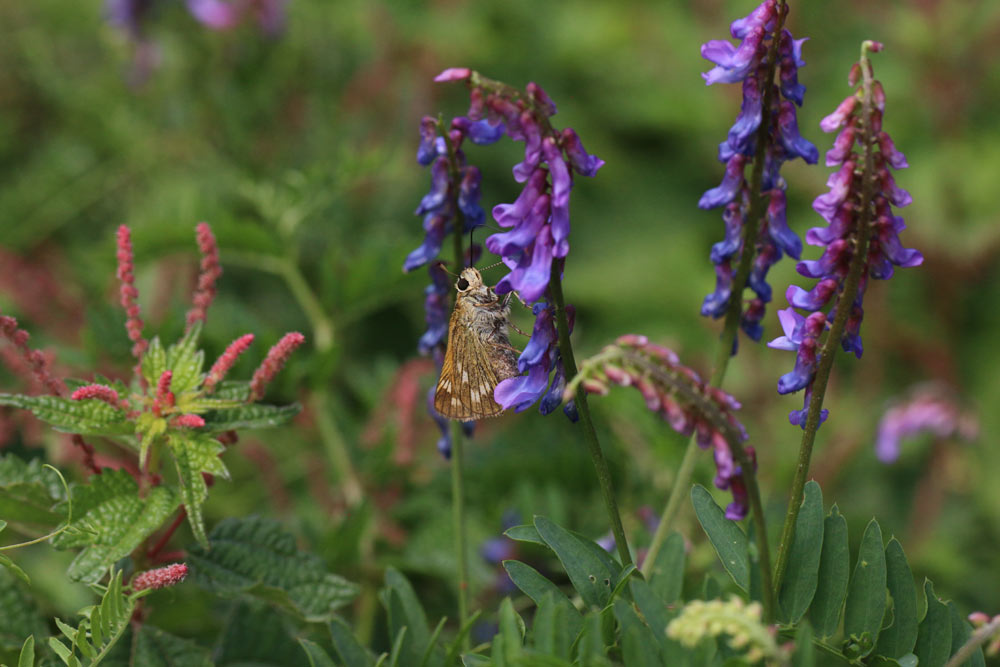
(299, 151)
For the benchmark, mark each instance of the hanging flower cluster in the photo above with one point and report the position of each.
(861, 227)
(538, 221)
(929, 409)
(689, 404)
(454, 196)
(750, 64)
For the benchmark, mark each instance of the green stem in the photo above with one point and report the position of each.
(730, 329)
(458, 515)
(844, 306)
(590, 434)
(336, 448)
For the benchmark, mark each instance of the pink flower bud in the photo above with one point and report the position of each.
(100, 392)
(453, 74)
(273, 363)
(187, 421)
(210, 271)
(224, 363)
(161, 577)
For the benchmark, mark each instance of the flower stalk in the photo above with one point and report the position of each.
(590, 434)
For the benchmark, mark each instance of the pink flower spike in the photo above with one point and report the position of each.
(187, 421)
(453, 74)
(37, 361)
(224, 363)
(164, 397)
(128, 292)
(204, 293)
(100, 392)
(275, 360)
(161, 577)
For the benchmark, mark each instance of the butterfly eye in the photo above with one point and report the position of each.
(462, 284)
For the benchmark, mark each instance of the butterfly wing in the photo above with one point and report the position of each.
(468, 374)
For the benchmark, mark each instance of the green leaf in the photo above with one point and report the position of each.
(656, 614)
(508, 642)
(590, 576)
(106, 622)
(805, 654)
(89, 417)
(801, 575)
(110, 520)
(667, 575)
(960, 633)
(232, 390)
(590, 645)
(350, 651)
(185, 360)
(900, 637)
(257, 635)
(27, 655)
(315, 653)
(934, 636)
(525, 533)
(255, 556)
(834, 564)
(252, 416)
(405, 611)
(195, 453)
(639, 645)
(553, 627)
(726, 536)
(537, 587)
(866, 595)
(28, 493)
(154, 362)
(528, 533)
(152, 647)
(14, 569)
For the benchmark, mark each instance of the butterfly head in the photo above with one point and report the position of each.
(469, 279)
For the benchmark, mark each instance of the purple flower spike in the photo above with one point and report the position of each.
(929, 409)
(842, 207)
(748, 63)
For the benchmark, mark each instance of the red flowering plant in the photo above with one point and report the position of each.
(171, 409)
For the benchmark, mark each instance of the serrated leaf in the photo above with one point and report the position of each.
(350, 651)
(88, 417)
(154, 362)
(834, 566)
(934, 635)
(865, 607)
(900, 637)
(537, 587)
(19, 614)
(666, 578)
(232, 390)
(27, 656)
(315, 653)
(110, 520)
(152, 647)
(185, 361)
(799, 584)
(252, 416)
(726, 536)
(194, 454)
(255, 556)
(258, 635)
(589, 574)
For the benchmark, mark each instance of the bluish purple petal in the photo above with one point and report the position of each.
(726, 192)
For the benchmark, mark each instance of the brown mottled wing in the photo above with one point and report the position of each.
(468, 374)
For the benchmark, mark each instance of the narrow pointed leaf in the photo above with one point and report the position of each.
(667, 576)
(866, 594)
(508, 642)
(537, 587)
(726, 536)
(934, 636)
(350, 651)
(315, 653)
(900, 637)
(589, 574)
(639, 645)
(590, 646)
(805, 654)
(413, 614)
(13, 568)
(553, 632)
(27, 655)
(960, 633)
(801, 576)
(831, 587)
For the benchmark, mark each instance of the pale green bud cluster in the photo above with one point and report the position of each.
(736, 619)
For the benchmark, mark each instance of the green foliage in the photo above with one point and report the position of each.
(194, 454)
(255, 556)
(801, 578)
(667, 574)
(20, 616)
(726, 536)
(88, 417)
(866, 594)
(90, 642)
(111, 520)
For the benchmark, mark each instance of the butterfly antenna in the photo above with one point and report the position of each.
(444, 267)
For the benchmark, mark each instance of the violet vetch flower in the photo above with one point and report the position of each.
(539, 358)
(131, 17)
(227, 14)
(749, 65)
(537, 222)
(842, 208)
(929, 409)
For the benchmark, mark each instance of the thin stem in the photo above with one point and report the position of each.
(596, 454)
(977, 639)
(336, 448)
(734, 311)
(844, 306)
(458, 516)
